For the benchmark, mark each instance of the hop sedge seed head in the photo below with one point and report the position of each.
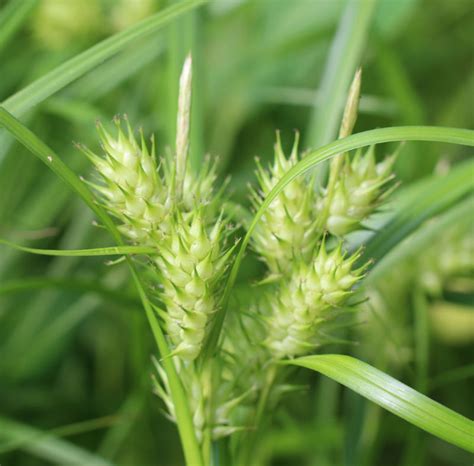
(132, 189)
(191, 267)
(189, 234)
(301, 303)
(358, 192)
(287, 229)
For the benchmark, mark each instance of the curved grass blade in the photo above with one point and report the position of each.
(394, 396)
(77, 66)
(366, 138)
(107, 251)
(38, 148)
(116, 70)
(45, 445)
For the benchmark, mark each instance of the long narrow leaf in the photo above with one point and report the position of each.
(394, 396)
(108, 251)
(45, 445)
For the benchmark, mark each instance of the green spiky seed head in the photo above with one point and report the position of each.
(131, 187)
(188, 239)
(302, 303)
(191, 263)
(358, 191)
(287, 229)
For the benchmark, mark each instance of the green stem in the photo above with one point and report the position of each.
(192, 451)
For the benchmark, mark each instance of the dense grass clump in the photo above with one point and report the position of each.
(291, 296)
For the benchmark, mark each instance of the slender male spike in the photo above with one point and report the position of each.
(349, 118)
(352, 104)
(183, 124)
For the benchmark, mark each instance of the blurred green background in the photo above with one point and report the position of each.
(74, 345)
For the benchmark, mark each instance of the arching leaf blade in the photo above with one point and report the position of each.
(394, 396)
(45, 445)
(106, 251)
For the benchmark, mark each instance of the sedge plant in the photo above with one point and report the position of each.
(311, 280)
(224, 366)
(229, 348)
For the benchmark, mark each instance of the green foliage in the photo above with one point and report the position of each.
(394, 396)
(325, 253)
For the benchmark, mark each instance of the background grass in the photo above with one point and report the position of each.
(74, 343)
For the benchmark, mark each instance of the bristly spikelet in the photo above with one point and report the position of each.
(358, 192)
(302, 303)
(169, 208)
(132, 188)
(191, 263)
(287, 230)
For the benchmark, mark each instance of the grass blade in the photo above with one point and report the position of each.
(394, 396)
(45, 445)
(108, 251)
